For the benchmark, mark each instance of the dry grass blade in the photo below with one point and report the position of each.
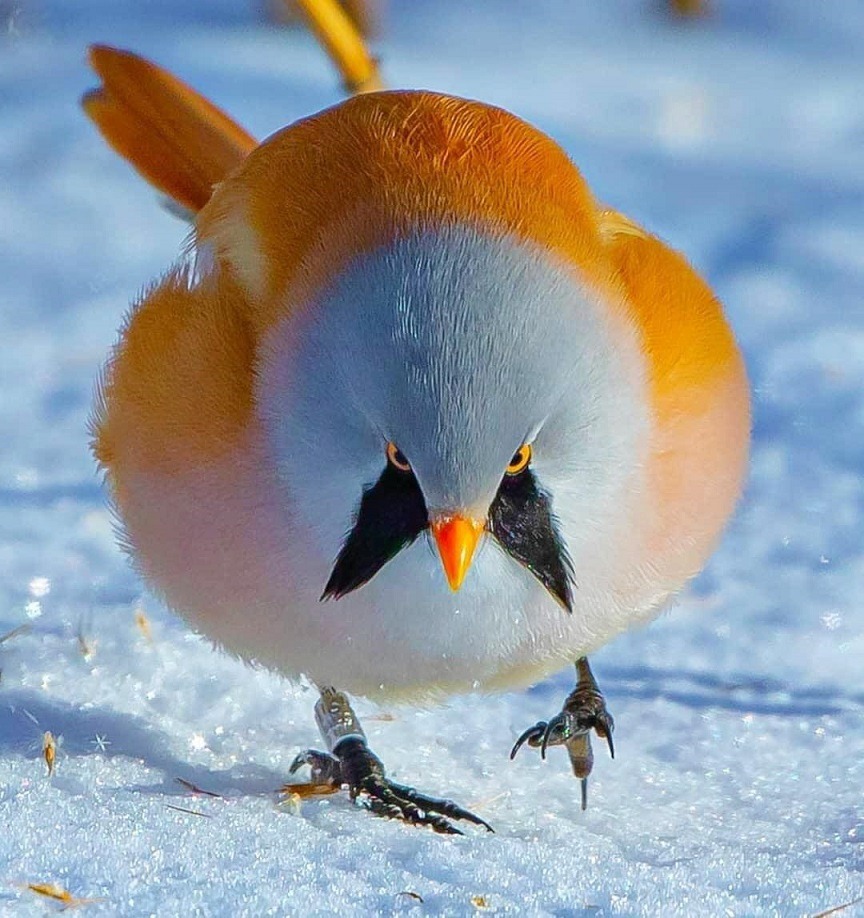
(838, 908)
(487, 801)
(58, 894)
(688, 8)
(49, 751)
(340, 38)
(143, 625)
(193, 788)
(183, 809)
(85, 644)
(309, 790)
(15, 632)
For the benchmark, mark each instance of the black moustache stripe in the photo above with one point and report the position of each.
(522, 521)
(392, 513)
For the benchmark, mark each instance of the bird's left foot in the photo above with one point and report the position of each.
(352, 763)
(584, 711)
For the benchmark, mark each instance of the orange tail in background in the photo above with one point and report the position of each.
(179, 142)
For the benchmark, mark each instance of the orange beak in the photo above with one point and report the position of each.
(457, 538)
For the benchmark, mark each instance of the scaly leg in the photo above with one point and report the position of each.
(583, 711)
(351, 762)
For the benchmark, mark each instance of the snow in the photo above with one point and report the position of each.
(737, 786)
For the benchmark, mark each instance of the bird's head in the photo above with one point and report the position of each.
(457, 387)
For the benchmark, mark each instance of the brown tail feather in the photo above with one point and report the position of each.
(178, 141)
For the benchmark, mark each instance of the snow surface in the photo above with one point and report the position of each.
(737, 789)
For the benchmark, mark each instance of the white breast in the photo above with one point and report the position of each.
(335, 381)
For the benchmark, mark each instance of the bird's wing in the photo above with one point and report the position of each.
(685, 335)
(698, 395)
(179, 142)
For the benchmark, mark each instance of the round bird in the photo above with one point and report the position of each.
(419, 417)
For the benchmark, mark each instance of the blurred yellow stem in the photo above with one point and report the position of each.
(689, 7)
(339, 36)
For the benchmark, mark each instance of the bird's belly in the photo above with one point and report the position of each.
(406, 632)
(220, 544)
(217, 546)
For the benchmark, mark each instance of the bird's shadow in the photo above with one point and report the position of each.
(695, 689)
(25, 715)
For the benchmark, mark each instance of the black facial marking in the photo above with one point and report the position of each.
(392, 513)
(522, 521)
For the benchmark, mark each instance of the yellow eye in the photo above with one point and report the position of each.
(520, 460)
(396, 457)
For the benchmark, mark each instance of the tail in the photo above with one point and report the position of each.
(178, 141)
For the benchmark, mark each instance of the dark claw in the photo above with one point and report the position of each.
(397, 802)
(532, 736)
(440, 805)
(557, 727)
(326, 768)
(597, 718)
(546, 733)
(610, 744)
(363, 772)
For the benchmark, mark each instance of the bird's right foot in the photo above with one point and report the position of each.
(352, 763)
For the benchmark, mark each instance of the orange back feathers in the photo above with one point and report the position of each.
(385, 164)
